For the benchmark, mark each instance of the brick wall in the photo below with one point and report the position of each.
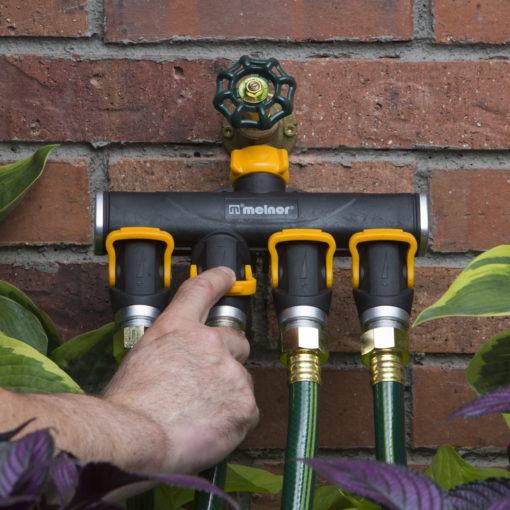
(393, 96)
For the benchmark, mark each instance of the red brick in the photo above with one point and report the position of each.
(169, 174)
(380, 104)
(205, 174)
(360, 176)
(55, 18)
(470, 209)
(345, 421)
(471, 21)
(155, 20)
(438, 391)
(75, 296)
(55, 210)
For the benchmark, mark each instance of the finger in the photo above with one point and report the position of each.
(196, 296)
(235, 342)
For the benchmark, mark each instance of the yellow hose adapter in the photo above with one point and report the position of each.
(382, 234)
(145, 233)
(259, 158)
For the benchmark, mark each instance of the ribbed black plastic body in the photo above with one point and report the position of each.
(222, 248)
(383, 276)
(189, 216)
(139, 275)
(302, 276)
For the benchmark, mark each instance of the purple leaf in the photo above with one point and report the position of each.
(19, 502)
(24, 464)
(480, 494)
(497, 401)
(7, 436)
(97, 479)
(502, 504)
(393, 487)
(64, 471)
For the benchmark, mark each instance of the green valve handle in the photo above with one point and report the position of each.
(247, 92)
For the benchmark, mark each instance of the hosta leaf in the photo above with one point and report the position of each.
(88, 358)
(449, 470)
(16, 179)
(25, 463)
(24, 369)
(489, 368)
(9, 291)
(18, 322)
(496, 401)
(481, 494)
(393, 487)
(249, 479)
(482, 289)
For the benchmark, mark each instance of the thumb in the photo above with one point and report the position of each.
(198, 295)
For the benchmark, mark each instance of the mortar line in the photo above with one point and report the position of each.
(94, 48)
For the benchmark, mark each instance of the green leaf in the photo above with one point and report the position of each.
(172, 498)
(24, 369)
(448, 469)
(489, 368)
(88, 358)
(330, 497)
(17, 322)
(249, 479)
(16, 179)
(482, 289)
(11, 292)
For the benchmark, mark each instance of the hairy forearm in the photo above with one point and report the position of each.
(91, 428)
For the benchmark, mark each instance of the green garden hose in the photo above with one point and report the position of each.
(302, 433)
(388, 379)
(216, 475)
(389, 422)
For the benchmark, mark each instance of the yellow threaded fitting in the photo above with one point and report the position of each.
(304, 365)
(386, 365)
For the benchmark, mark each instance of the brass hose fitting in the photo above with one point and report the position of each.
(304, 365)
(385, 350)
(304, 342)
(133, 321)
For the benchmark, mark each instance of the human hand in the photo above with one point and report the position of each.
(189, 380)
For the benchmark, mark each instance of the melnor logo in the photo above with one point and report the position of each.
(259, 208)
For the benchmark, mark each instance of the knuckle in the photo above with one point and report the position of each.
(212, 338)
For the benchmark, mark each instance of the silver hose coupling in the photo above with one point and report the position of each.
(303, 328)
(132, 322)
(227, 316)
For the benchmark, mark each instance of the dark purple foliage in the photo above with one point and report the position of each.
(64, 471)
(24, 464)
(7, 436)
(393, 487)
(480, 494)
(503, 504)
(398, 488)
(497, 401)
(27, 464)
(99, 478)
